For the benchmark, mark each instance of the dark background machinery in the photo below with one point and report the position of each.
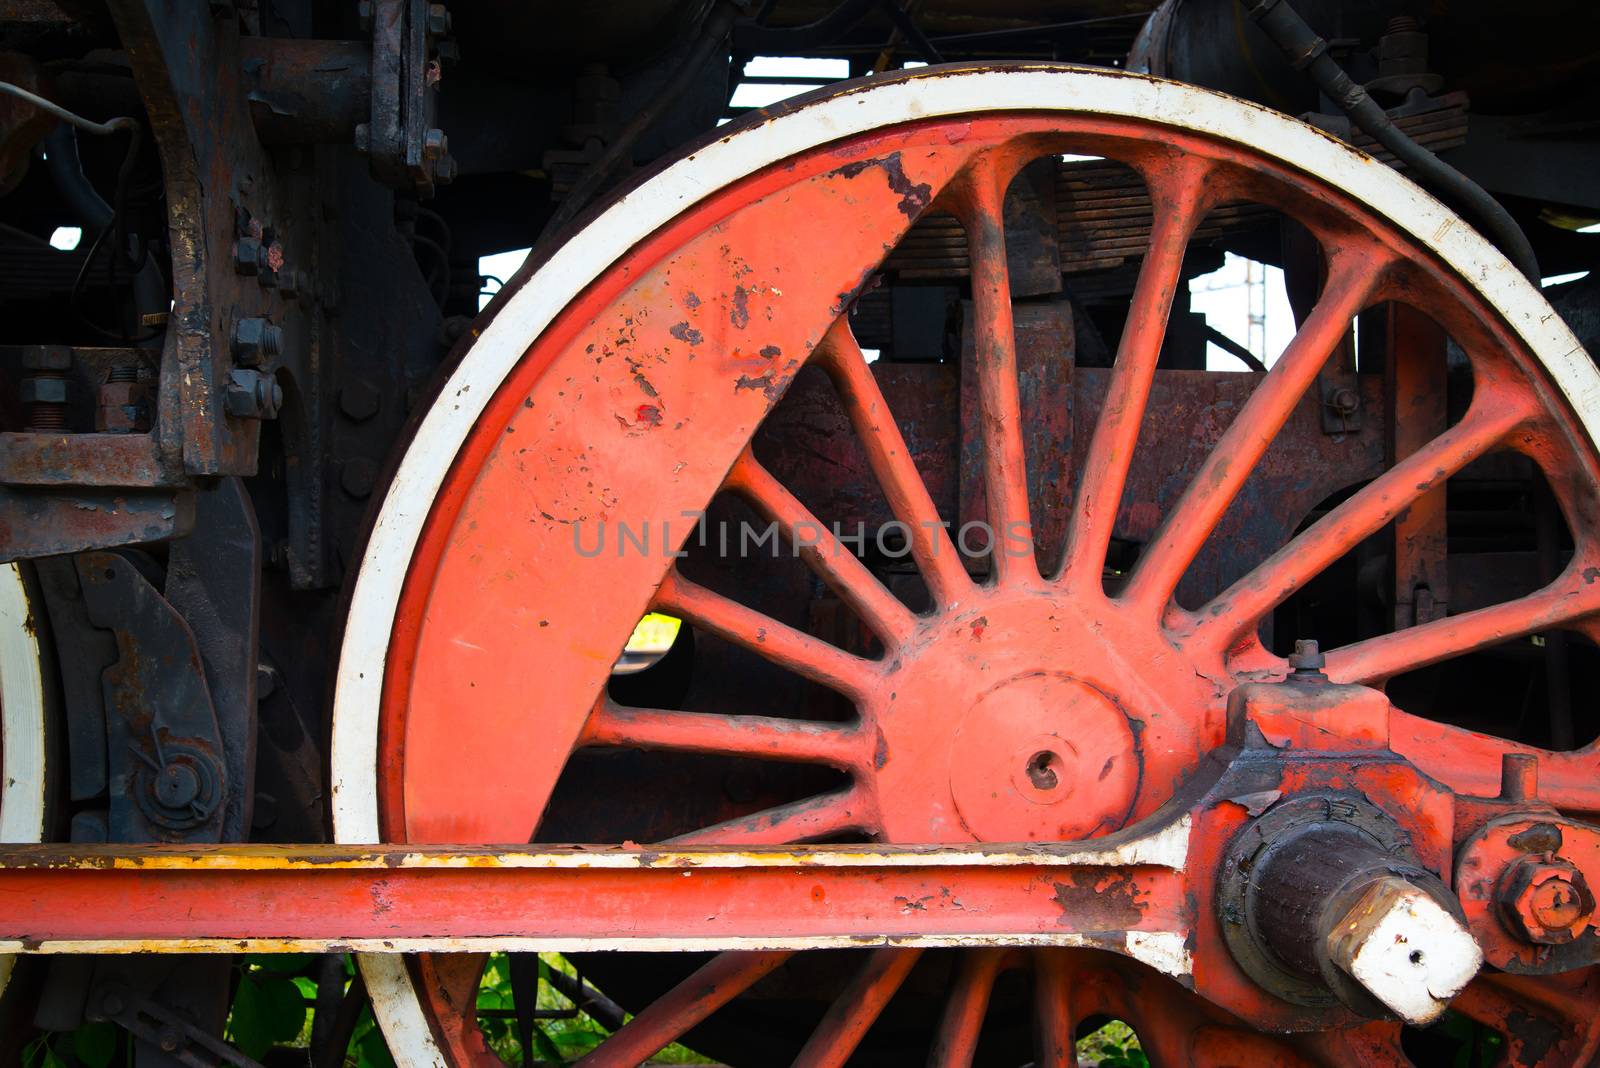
(281, 249)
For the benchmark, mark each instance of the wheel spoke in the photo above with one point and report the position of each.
(1053, 1016)
(1179, 200)
(778, 642)
(1353, 277)
(957, 1040)
(1005, 473)
(724, 977)
(907, 495)
(760, 737)
(823, 816)
(1248, 600)
(1377, 659)
(856, 1007)
(882, 611)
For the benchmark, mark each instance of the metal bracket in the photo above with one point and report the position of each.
(164, 1029)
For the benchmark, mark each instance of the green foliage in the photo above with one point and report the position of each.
(268, 1010)
(95, 1043)
(556, 1041)
(1113, 1046)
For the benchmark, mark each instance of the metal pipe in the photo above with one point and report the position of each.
(66, 170)
(1309, 52)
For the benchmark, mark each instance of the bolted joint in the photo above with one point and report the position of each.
(44, 390)
(47, 358)
(252, 395)
(124, 407)
(1545, 900)
(248, 255)
(256, 341)
(435, 145)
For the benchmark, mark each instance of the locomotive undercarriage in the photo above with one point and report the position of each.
(1053, 675)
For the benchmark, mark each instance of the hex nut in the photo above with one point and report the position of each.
(43, 390)
(435, 145)
(252, 395)
(247, 255)
(256, 341)
(1546, 901)
(124, 408)
(47, 358)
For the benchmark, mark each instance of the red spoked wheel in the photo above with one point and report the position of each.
(1025, 692)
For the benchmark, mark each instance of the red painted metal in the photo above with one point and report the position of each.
(1023, 706)
(330, 896)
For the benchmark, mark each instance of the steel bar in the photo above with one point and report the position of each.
(334, 898)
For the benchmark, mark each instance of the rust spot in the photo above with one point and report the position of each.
(913, 196)
(647, 415)
(1540, 838)
(644, 384)
(1535, 1034)
(979, 625)
(691, 301)
(1099, 899)
(771, 352)
(739, 315)
(685, 332)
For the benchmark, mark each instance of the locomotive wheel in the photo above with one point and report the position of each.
(623, 381)
(23, 791)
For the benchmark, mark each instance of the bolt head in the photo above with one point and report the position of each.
(435, 145)
(252, 395)
(438, 20)
(364, 14)
(359, 400)
(43, 391)
(363, 137)
(47, 358)
(256, 341)
(247, 255)
(358, 476)
(1546, 901)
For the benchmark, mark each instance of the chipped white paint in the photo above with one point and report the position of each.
(1406, 950)
(1165, 951)
(1166, 847)
(22, 770)
(1162, 950)
(929, 93)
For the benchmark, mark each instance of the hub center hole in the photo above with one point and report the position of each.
(1042, 769)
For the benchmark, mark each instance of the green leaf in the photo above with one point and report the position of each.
(95, 1043)
(546, 1049)
(266, 1011)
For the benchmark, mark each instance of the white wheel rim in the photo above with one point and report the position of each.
(22, 780)
(928, 94)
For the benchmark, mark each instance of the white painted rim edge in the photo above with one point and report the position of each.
(22, 726)
(743, 152)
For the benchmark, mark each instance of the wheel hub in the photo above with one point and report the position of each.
(1043, 757)
(1028, 718)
